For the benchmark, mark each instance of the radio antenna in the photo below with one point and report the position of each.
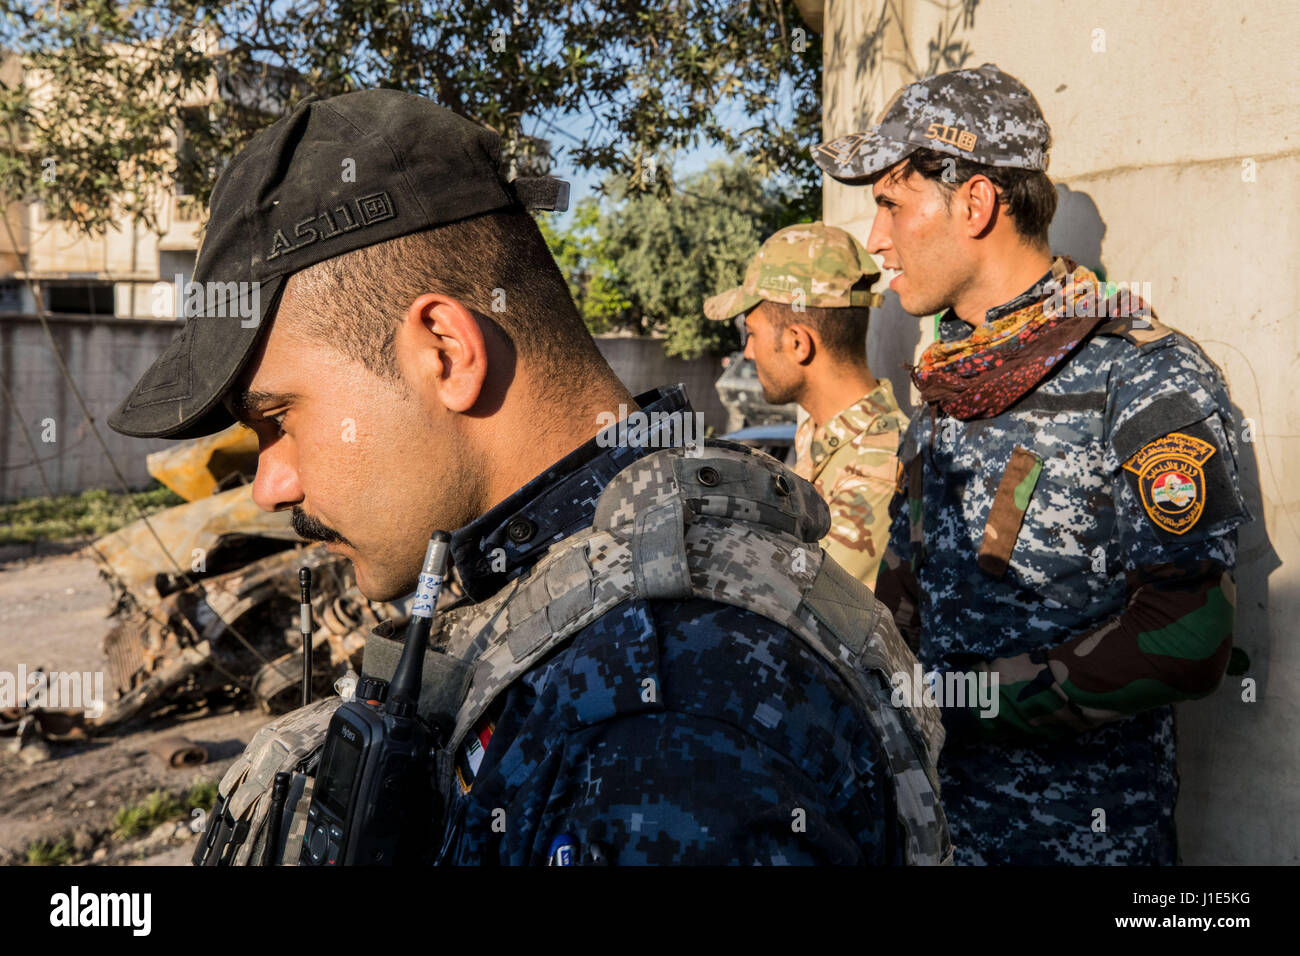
(304, 625)
(404, 688)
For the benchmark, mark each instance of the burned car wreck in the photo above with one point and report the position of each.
(206, 595)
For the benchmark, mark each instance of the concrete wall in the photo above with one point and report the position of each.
(641, 364)
(1176, 154)
(105, 357)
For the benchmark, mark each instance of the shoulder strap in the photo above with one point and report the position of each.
(715, 527)
(1132, 319)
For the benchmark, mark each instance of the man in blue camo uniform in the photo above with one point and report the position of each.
(745, 724)
(1068, 495)
(422, 308)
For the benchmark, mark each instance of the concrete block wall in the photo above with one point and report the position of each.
(641, 364)
(105, 357)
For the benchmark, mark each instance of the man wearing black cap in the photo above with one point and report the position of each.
(1065, 527)
(419, 364)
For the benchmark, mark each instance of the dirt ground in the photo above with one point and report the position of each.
(52, 614)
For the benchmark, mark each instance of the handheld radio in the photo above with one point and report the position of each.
(373, 800)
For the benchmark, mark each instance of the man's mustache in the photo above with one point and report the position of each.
(309, 528)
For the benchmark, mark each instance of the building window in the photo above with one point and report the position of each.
(189, 171)
(11, 297)
(79, 298)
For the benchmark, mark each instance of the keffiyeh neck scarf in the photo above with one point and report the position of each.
(996, 365)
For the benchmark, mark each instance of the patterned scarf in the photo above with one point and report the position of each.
(996, 365)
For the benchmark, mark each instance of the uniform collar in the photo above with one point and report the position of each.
(876, 411)
(952, 329)
(510, 538)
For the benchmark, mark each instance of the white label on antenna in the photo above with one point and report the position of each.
(426, 594)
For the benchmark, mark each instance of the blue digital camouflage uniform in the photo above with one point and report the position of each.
(747, 724)
(1028, 792)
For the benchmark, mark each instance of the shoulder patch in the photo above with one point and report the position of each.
(1171, 479)
(1167, 412)
(1136, 329)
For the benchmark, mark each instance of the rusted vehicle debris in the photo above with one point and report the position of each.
(218, 609)
(205, 466)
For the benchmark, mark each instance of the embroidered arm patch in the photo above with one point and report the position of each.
(1171, 480)
(1181, 471)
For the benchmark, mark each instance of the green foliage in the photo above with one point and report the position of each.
(119, 83)
(202, 795)
(43, 853)
(96, 512)
(90, 131)
(158, 808)
(585, 257)
(646, 263)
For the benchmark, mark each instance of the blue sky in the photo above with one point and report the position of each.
(565, 134)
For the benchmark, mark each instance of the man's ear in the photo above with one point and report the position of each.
(803, 345)
(981, 204)
(440, 348)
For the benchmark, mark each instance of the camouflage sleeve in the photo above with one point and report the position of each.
(1170, 643)
(1172, 452)
(896, 584)
(898, 589)
(675, 789)
(1172, 460)
(859, 505)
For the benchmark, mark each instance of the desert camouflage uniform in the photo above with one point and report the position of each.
(851, 461)
(1055, 588)
(745, 722)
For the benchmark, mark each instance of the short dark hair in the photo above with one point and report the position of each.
(1028, 194)
(842, 331)
(497, 265)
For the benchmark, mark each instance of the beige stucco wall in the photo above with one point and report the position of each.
(119, 253)
(1159, 123)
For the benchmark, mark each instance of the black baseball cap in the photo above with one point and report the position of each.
(984, 115)
(332, 176)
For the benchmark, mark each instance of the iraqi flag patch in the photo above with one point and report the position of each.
(471, 754)
(1171, 480)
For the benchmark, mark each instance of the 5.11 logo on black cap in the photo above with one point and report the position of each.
(369, 210)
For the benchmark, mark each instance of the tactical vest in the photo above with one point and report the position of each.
(729, 526)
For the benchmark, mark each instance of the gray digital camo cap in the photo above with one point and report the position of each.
(984, 115)
(332, 176)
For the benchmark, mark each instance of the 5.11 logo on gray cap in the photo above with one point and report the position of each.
(377, 207)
